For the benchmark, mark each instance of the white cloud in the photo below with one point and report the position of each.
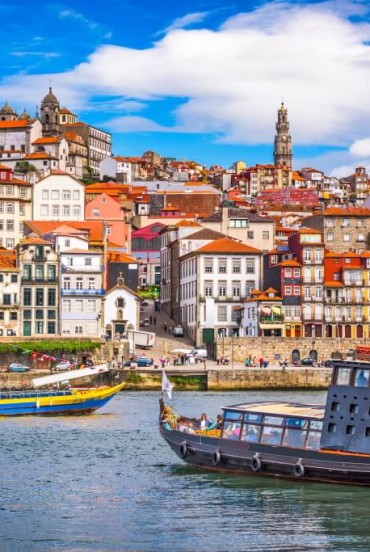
(229, 82)
(360, 148)
(79, 17)
(186, 20)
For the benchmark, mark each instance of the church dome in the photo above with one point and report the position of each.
(24, 115)
(6, 109)
(50, 97)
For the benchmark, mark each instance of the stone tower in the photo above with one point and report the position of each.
(50, 114)
(283, 140)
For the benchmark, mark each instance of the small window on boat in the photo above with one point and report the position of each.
(350, 430)
(367, 432)
(294, 438)
(332, 428)
(335, 406)
(344, 376)
(271, 435)
(353, 408)
(296, 422)
(362, 378)
(231, 430)
(315, 424)
(251, 433)
(313, 440)
(253, 418)
(273, 420)
(230, 415)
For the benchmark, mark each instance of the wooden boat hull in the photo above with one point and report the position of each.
(42, 403)
(224, 455)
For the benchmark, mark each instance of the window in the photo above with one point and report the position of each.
(250, 266)
(208, 289)
(238, 223)
(39, 297)
(55, 209)
(51, 271)
(45, 194)
(79, 283)
(66, 210)
(14, 278)
(10, 208)
(222, 287)
(250, 234)
(222, 313)
(288, 290)
(66, 305)
(27, 315)
(208, 265)
(23, 192)
(27, 297)
(288, 273)
(346, 237)
(297, 273)
(7, 299)
(51, 314)
(67, 283)
(78, 305)
(76, 194)
(51, 297)
(91, 283)
(91, 306)
(66, 194)
(51, 327)
(39, 327)
(236, 289)
(76, 210)
(9, 243)
(10, 225)
(296, 290)
(78, 329)
(39, 272)
(39, 314)
(44, 210)
(54, 194)
(330, 237)
(222, 265)
(88, 261)
(95, 212)
(265, 235)
(236, 266)
(21, 209)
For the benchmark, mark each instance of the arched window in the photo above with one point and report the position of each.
(313, 354)
(296, 356)
(347, 330)
(359, 331)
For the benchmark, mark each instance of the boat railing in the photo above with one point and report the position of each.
(33, 394)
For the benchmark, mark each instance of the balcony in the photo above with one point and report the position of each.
(10, 305)
(273, 319)
(39, 281)
(83, 291)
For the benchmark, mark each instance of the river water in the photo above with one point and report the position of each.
(108, 482)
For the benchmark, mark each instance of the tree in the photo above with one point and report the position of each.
(24, 167)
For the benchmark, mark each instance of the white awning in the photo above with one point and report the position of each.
(69, 375)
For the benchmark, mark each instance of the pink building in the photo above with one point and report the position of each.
(109, 209)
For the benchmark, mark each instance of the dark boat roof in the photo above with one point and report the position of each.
(281, 409)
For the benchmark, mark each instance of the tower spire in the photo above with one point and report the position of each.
(283, 141)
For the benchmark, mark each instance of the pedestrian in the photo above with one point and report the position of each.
(154, 321)
(163, 361)
(150, 320)
(165, 327)
(261, 362)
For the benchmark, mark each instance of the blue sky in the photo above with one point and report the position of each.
(200, 80)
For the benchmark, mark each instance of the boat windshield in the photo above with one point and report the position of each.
(286, 431)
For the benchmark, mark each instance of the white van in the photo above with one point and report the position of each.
(178, 331)
(199, 354)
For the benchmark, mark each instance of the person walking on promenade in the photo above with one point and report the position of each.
(261, 362)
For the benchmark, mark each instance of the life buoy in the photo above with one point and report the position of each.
(256, 463)
(298, 469)
(216, 458)
(183, 449)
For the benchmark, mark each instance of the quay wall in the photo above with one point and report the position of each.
(279, 348)
(256, 378)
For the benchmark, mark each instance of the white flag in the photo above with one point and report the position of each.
(166, 385)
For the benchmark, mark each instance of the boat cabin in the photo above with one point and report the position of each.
(277, 424)
(347, 412)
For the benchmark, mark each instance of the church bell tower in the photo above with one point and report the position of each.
(50, 114)
(283, 140)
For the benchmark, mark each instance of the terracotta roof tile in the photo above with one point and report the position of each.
(228, 246)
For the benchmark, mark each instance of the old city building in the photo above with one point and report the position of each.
(283, 154)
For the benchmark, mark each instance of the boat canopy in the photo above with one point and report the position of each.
(282, 409)
(71, 374)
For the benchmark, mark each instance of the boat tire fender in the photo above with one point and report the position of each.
(256, 463)
(216, 457)
(183, 449)
(299, 469)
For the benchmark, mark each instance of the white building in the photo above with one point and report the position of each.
(116, 167)
(58, 196)
(9, 295)
(81, 286)
(121, 310)
(56, 146)
(15, 207)
(214, 280)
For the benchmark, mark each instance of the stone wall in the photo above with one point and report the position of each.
(276, 348)
(250, 378)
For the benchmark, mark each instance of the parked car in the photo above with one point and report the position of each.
(328, 363)
(15, 367)
(178, 331)
(308, 361)
(63, 365)
(199, 354)
(141, 362)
